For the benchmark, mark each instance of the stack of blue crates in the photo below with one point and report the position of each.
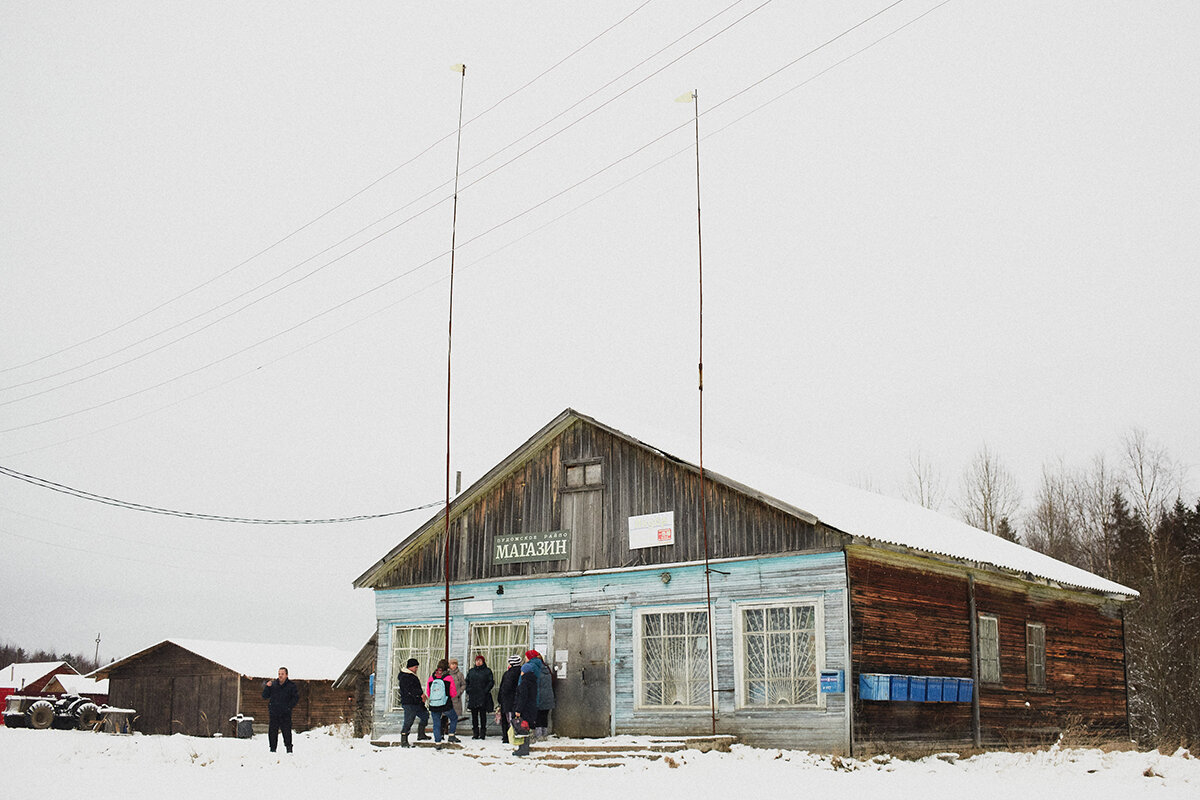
(914, 688)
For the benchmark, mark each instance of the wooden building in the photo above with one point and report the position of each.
(588, 545)
(195, 687)
(359, 677)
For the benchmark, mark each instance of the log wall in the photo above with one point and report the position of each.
(175, 691)
(911, 616)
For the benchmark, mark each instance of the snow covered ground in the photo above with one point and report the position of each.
(63, 764)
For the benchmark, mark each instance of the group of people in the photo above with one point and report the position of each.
(525, 695)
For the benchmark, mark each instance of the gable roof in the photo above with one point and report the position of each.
(256, 660)
(862, 515)
(30, 675)
(78, 684)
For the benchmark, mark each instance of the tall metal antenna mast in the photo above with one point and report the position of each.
(462, 70)
(694, 98)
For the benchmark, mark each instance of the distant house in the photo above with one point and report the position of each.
(359, 677)
(95, 690)
(839, 619)
(32, 678)
(195, 687)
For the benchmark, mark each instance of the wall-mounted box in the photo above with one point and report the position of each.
(873, 687)
(832, 681)
(898, 687)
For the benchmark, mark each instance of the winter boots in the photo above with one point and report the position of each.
(523, 747)
(421, 734)
(404, 740)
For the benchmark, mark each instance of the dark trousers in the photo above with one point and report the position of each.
(438, 715)
(504, 715)
(281, 721)
(413, 711)
(479, 721)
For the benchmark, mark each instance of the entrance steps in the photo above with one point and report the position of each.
(559, 753)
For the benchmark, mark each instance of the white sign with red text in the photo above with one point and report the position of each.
(652, 530)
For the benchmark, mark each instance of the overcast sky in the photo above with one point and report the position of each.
(979, 228)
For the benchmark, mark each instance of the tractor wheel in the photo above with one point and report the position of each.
(87, 715)
(41, 715)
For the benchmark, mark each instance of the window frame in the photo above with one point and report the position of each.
(638, 615)
(585, 464)
(393, 703)
(498, 668)
(1032, 666)
(983, 656)
(816, 602)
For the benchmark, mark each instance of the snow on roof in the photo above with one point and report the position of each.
(256, 660)
(78, 684)
(884, 519)
(20, 676)
(868, 515)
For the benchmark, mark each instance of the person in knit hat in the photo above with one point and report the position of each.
(506, 695)
(525, 709)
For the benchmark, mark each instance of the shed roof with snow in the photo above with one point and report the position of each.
(257, 660)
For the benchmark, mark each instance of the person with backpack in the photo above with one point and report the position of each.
(479, 696)
(441, 692)
(412, 700)
(545, 697)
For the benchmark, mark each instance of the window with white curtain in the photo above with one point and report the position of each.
(673, 658)
(780, 647)
(496, 641)
(426, 643)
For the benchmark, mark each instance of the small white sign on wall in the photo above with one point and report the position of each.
(652, 530)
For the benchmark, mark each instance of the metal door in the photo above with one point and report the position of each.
(583, 685)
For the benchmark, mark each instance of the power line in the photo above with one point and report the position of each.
(375, 222)
(112, 501)
(315, 219)
(508, 221)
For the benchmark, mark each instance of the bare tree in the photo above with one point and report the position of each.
(924, 485)
(1052, 527)
(988, 492)
(1093, 501)
(1152, 479)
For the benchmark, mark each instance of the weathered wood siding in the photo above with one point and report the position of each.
(175, 691)
(619, 595)
(636, 481)
(911, 616)
(320, 704)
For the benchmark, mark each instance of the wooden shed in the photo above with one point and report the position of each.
(840, 620)
(194, 687)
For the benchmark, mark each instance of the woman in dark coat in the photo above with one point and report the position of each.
(507, 694)
(479, 696)
(525, 709)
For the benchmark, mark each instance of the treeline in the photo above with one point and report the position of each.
(1129, 521)
(12, 654)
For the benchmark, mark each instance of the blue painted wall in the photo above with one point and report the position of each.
(619, 594)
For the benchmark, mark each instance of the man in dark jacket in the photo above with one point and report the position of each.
(281, 696)
(412, 700)
(507, 694)
(525, 710)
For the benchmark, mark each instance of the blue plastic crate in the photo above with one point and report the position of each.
(873, 687)
(949, 690)
(898, 687)
(916, 688)
(933, 690)
(966, 688)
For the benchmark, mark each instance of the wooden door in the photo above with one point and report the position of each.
(583, 689)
